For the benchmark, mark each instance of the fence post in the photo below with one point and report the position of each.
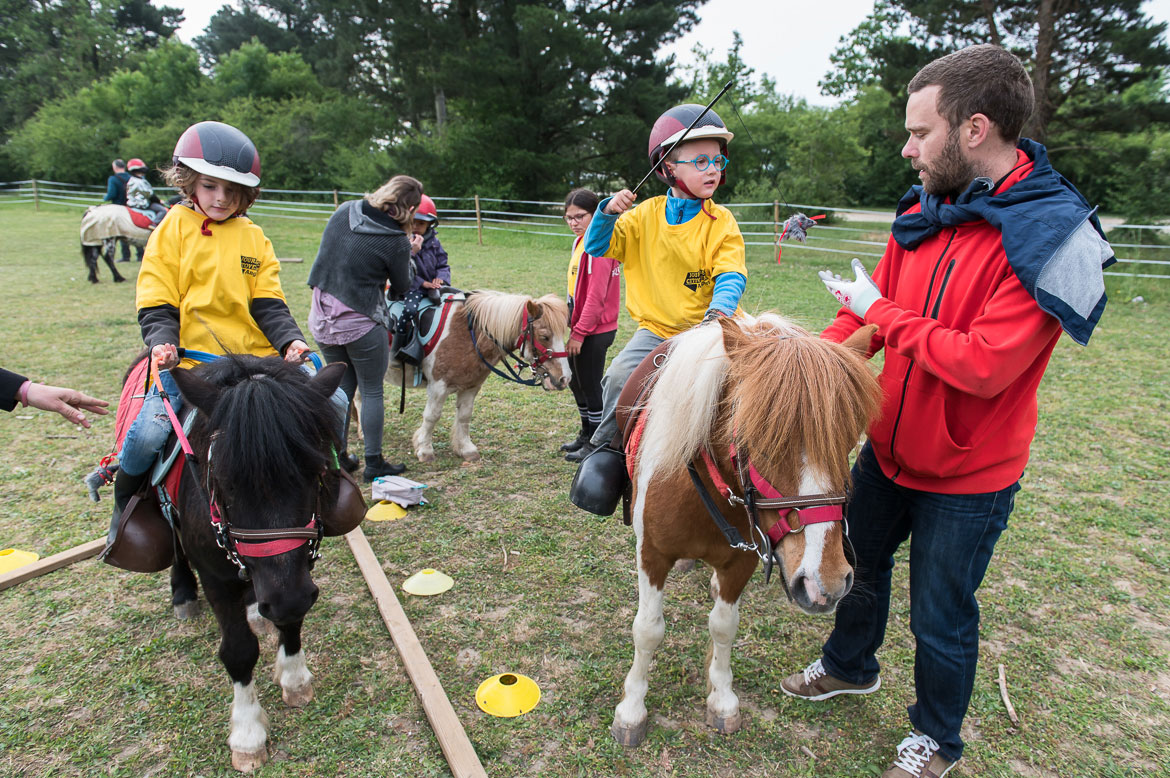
(36, 196)
(335, 199)
(776, 221)
(478, 221)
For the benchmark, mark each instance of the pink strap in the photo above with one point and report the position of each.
(186, 444)
(270, 547)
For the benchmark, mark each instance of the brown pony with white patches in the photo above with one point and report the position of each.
(531, 329)
(790, 407)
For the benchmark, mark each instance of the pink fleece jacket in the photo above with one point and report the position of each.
(597, 297)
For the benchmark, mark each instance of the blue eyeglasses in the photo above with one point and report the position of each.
(702, 162)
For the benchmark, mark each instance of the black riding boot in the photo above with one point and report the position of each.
(125, 487)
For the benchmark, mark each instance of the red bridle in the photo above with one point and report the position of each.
(528, 336)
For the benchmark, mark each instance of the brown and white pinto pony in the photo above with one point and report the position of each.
(793, 403)
(454, 367)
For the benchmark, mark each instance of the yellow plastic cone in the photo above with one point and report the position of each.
(427, 581)
(385, 510)
(507, 695)
(12, 558)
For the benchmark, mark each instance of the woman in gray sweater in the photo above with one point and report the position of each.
(365, 245)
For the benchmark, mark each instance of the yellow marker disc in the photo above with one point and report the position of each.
(427, 581)
(507, 695)
(385, 510)
(12, 558)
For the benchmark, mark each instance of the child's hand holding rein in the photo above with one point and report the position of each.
(296, 351)
(166, 355)
(620, 202)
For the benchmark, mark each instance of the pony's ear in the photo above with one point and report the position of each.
(195, 390)
(328, 379)
(733, 334)
(534, 310)
(860, 339)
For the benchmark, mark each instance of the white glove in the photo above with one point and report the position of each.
(856, 295)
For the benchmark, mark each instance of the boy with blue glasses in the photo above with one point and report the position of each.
(683, 255)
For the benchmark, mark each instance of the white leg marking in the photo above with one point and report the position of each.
(260, 625)
(249, 728)
(461, 429)
(723, 622)
(292, 673)
(649, 625)
(436, 396)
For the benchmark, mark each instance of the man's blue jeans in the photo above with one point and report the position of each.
(953, 536)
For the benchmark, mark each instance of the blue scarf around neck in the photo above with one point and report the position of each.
(1051, 236)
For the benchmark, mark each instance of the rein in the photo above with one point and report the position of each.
(795, 513)
(527, 337)
(237, 543)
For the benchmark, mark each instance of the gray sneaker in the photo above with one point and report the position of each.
(918, 757)
(813, 683)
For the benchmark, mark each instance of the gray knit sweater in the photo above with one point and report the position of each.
(360, 251)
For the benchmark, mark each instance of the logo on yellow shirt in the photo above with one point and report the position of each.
(249, 265)
(695, 279)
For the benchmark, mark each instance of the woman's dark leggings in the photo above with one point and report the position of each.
(367, 359)
(588, 367)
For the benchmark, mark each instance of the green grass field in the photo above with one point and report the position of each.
(98, 678)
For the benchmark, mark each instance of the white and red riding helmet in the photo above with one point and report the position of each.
(671, 125)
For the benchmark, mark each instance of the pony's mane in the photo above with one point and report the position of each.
(748, 384)
(821, 420)
(271, 427)
(498, 314)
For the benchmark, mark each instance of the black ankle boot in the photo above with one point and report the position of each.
(576, 443)
(586, 449)
(377, 466)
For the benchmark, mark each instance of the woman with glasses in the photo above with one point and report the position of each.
(594, 297)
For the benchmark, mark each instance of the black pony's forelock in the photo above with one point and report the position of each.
(272, 430)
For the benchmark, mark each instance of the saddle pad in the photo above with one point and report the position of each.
(130, 402)
(110, 221)
(140, 219)
(173, 449)
(430, 325)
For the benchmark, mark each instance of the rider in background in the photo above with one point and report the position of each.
(209, 282)
(431, 271)
(594, 298)
(116, 195)
(139, 193)
(684, 255)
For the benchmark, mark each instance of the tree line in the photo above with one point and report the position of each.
(526, 98)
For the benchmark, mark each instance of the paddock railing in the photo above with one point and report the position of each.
(853, 231)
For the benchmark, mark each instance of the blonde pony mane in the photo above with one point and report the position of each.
(499, 314)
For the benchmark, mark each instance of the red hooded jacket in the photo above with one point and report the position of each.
(966, 347)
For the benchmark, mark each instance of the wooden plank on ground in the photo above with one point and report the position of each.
(50, 563)
(457, 748)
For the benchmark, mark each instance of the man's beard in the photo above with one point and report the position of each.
(950, 174)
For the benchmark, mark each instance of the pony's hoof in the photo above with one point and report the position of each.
(724, 724)
(119, 280)
(426, 457)
(249, 761)
(188, 610)
(630, 737)
(297, 698)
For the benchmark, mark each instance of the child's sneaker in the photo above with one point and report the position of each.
(918, 757)
(813, 683)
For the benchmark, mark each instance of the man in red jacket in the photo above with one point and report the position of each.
(990, 258)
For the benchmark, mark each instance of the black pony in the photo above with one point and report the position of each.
(251, 518)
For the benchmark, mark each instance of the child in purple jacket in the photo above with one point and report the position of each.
(430, 259)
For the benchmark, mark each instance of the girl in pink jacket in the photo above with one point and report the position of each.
(594, 298)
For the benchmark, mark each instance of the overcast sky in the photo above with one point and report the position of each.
(789, 41)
